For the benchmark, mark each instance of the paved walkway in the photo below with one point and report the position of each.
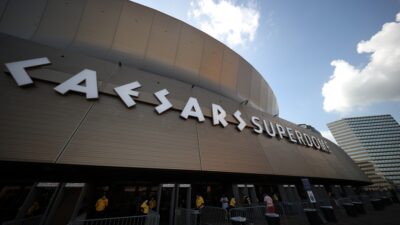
(389, 216)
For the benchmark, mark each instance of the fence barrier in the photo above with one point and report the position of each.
(289, 213)
(253, 214)
(186, 216)
(150, 219)
(27, 221)
(214, 216)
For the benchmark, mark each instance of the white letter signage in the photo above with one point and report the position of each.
(196, 112)
(17, 69)
(257, 126)
(126, 91)
(219, 115)
(280, 130)
(238, 117)
(165, 103)
(73, 84)
(86, 82)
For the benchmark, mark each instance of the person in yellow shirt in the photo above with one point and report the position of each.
(153, 203)
(144, 207)
(101, 206)
(232, 203)
(199, 202)
(33, 209)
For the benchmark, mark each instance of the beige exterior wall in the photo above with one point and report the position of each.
(126, 32)
(40, 125)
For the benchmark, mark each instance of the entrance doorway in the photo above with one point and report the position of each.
(11, 199)
(50, 203)
(171, 197)
(66, 203)
(245, 194)
(37, 202)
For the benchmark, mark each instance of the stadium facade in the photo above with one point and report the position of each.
(111, 96)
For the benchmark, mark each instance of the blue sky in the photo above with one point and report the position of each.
(303, 47)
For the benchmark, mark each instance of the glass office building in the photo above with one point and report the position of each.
(374, 139)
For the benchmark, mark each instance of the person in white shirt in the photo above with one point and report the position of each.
(224, 202)
(269, 204)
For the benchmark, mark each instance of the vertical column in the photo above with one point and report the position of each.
(235, 192)
(172, 206)
(189, 197)
(78, 204)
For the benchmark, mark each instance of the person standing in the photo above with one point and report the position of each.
(199, 202)
(275, 197)
(232, 203)
(144, 207)
(269, 204)
(101, 206)
(247, 200)
(224, 202)
(153, 203)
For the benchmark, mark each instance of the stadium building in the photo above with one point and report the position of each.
(113, 97)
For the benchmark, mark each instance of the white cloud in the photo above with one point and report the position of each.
(226, 21)
(379, 81)
(328, 135)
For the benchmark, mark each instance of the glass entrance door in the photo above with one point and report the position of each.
(37, 203)
(183, 196)
(165, 203)
(67, 201)
(245, 194)
(11, 199)
(171, 197)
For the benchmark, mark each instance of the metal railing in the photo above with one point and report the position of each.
(214, 215)
(253, 214)
(151, 219)
(289, 213)
(186, 216)
(26, 221)
(290, 208)
(218, 216)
